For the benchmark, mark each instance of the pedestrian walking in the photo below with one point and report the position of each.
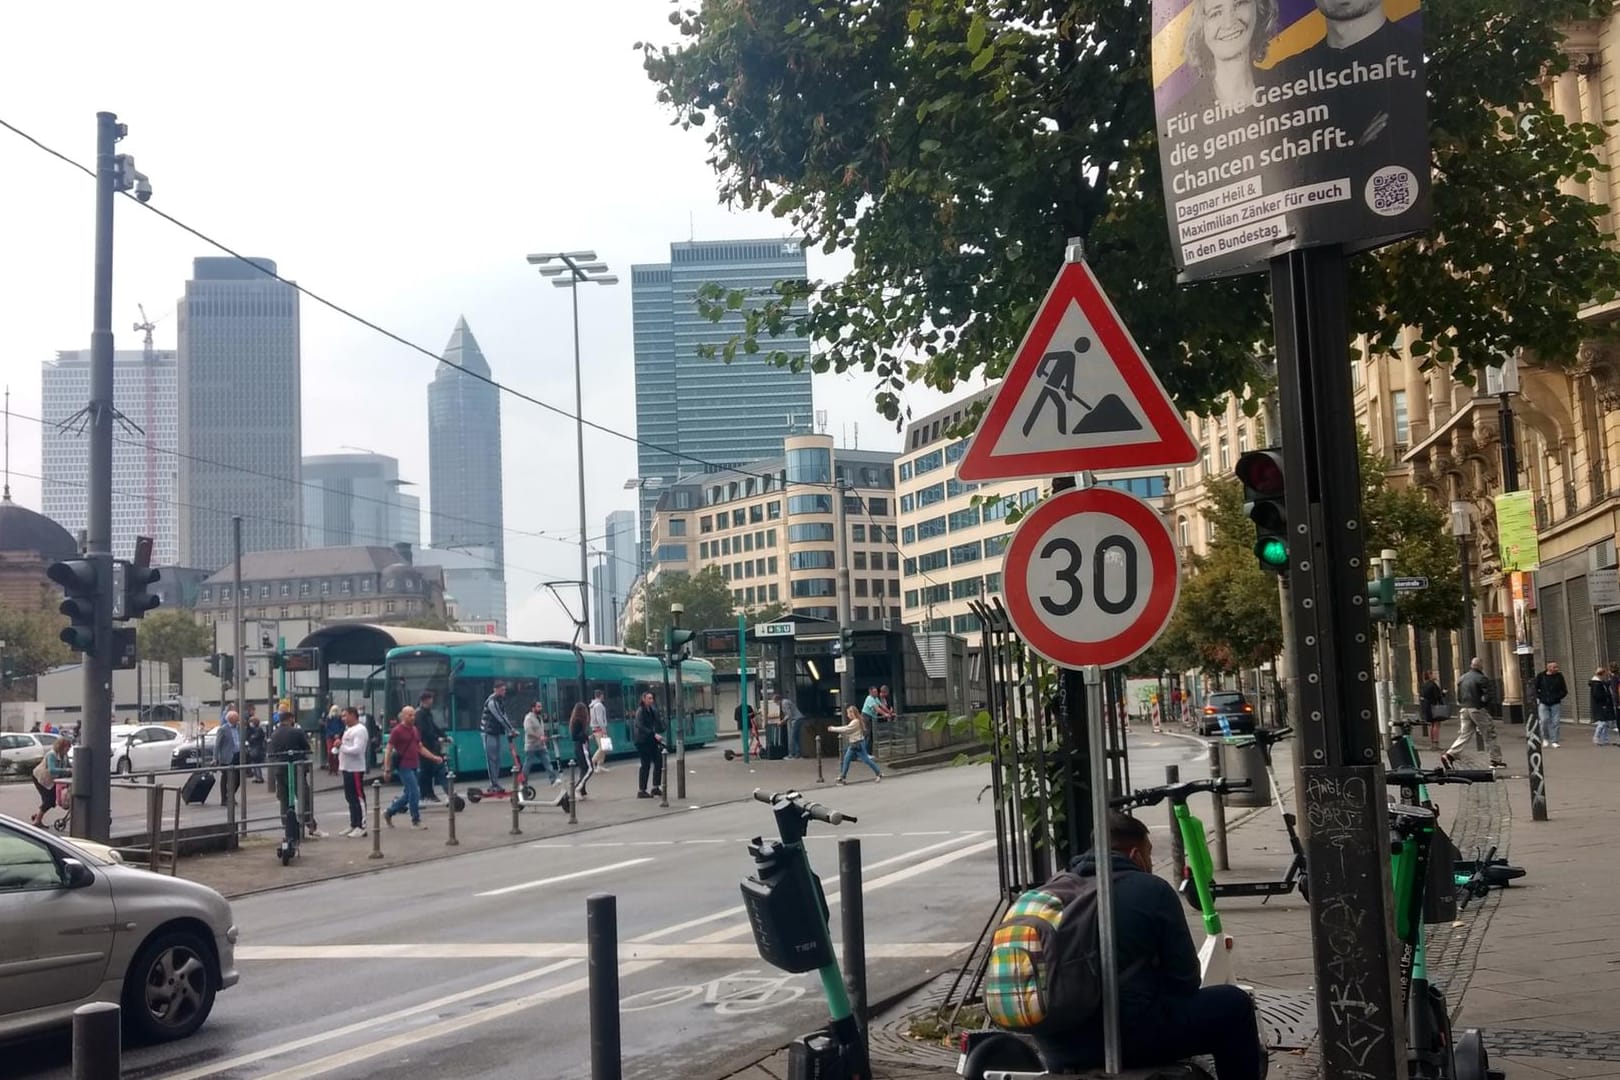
(52, 767)
(228, 755)
(352, 766)
(256, 740)
(599, 732)
(1475, 696)
(648, 730)
(1550, 691)
(435, 765)
(405, 752)
(287, 743)
(579, 732)
(855, 733)
(333, 732)
(1604, 713)
(1432, 706)
(794, 719)
(537, 744)
(498, 733)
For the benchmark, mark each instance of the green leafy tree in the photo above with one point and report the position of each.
(1419, 531)
(1229, 616)
(951, 146)
(706, 597)
(168, 636)
(31, 635)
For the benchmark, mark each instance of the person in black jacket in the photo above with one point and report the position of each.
(433, 742)
(1551, 690)
(1603, 707)
(1165, 1015)
(579, 732)
(1431, 706)
(648, 730)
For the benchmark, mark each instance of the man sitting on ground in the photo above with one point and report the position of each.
(1165, 1016)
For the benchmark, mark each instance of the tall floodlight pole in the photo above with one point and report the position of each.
(577, 268)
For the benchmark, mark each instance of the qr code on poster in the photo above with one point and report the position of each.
(1391, 190)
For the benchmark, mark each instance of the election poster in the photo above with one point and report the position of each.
(1286, 124)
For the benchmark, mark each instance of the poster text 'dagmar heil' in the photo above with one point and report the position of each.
(1288, 123)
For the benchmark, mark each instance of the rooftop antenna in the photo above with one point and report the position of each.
(857, 435)
(6, 496)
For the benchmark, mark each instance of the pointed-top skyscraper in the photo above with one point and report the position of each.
(464, 473)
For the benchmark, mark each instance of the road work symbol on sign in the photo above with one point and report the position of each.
(1079, 395)
(1091, 577)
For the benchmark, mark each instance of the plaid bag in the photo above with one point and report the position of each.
(1045, 970)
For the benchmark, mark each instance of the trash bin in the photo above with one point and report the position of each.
(1245, 762)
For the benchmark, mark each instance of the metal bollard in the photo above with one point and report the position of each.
(815, 736)
(573, 791)
(97, 1042)
(154, 827)
(602, 959)
(516, 800)
(663, 768)
(450, 798)
(376, 820)
(1178, 850)
(1222, 862)
(680, 772)
(853, 911)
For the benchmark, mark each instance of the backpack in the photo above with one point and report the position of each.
(1045, 970)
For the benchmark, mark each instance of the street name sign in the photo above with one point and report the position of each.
(1079, 395)
(776, 630)
(1091, 577)
(1411, 584)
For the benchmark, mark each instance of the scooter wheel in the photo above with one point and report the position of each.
(461, 804)
(474, 795)
(1473, 1062)
(286, 857)
(528, 793)
(1006, 1053)
(1501, 875)
(731, 755)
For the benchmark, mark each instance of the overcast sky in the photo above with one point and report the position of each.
(401, 159)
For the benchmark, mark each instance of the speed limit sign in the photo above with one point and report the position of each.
(1091, 577)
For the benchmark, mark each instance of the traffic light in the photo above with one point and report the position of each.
(138, 579)
(221, 666)
(1381, 599)
(1264, 500)
(78, 580)
(678, 643)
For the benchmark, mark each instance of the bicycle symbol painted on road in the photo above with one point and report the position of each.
(740, 992)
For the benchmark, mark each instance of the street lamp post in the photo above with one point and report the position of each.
(577, 268)
(1462, 527)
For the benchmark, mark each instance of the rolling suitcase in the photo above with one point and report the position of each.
(197, 788)
(776, 747)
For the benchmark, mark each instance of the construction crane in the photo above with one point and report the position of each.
(149, 418)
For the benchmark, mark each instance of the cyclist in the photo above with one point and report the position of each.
(1165, 1016)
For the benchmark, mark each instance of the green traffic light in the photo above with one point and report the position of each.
(1272, 552)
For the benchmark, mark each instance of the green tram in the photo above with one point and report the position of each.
(462, 676)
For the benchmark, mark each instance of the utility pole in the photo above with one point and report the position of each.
(239, 677)
(1462, 526)
(846, 678)
(1517, 700)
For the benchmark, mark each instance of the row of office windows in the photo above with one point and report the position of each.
(967, 588)
(760, 540)
(324, 587)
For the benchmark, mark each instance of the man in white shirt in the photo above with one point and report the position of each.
(599, 730)
(352, 764)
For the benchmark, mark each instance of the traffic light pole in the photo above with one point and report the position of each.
(846, 678)
(92, 796)
(1362, 1028)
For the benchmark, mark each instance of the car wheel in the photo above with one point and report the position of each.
(169, 989)
(124, 767)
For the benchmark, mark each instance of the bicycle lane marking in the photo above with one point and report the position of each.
(321, 1066)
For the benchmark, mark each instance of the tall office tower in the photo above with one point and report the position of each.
(239, 428)
(725, 414)
(145, 468)
(464, 456)
(355, 500)
(620, 568)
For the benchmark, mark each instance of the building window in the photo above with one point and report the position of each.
(706, 523)
(1203, 458)
(965, 553)
(877, 507)
(964, 519)
(1183, 533)
(955, 487)
(677, 526)
(672, 553)
(1403, 425)
(818, 532)
(809, 465)
(992, 582)
(775, 592)
(905, 470)
(348, 609)
(809, 504)
(996, 545)
(756, 514)
(859, 560)
(811, 560)
(286, 613)
(748, 541)
(346, 586)
(908, 535)
(928, 496)
(911, 598)
(365, 585)
(813, 587)
(955, 451)
(388, 607)
(857, 533)
(927, 463)
(1225, 453)
(860, 587)
(927, 530)
(773, 509)
(738, 518)
(304, 588)
(264, 592)
(934, 560)
(1243, 438)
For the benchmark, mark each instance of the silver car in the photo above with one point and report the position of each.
(77, 926)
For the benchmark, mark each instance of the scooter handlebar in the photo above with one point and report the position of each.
(1176, 793)
(1413, 777)
(813, 810)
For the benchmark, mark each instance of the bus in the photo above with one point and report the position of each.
(462, 676)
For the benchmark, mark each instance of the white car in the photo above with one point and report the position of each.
(140, 747)
(20, 751)
(77, 926)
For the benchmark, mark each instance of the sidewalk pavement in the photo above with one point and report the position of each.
(711, 780)
(1536, 965)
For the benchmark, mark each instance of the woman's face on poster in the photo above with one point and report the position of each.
(1228, 28)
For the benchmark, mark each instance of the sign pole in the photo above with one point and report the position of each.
(1527, 712)
(1108, 948)
(745, 729)
(1341, 774)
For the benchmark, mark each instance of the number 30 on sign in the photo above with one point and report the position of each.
(1091, 578)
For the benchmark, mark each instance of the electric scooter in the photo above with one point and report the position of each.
(788, 912)
(292, 828)
(1295, 877)
(1478, 876)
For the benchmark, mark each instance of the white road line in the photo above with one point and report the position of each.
(566, 877)
(368, 1025)
(452, 1026)
(556, 950)
(934, 832)
(735, 912)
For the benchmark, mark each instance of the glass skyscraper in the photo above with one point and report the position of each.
(355, 500)
(720, 413)
(240, 409)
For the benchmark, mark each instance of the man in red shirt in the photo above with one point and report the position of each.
(406, 753)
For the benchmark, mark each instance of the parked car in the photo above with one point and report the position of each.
(20, 751)
(1228, 705)
(140, 747)
(161, 947)
(194, 753)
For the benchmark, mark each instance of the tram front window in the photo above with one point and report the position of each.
(410, 677)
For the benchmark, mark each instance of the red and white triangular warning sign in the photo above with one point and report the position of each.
(1078, 396)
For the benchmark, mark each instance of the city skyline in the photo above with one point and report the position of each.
(357, 498)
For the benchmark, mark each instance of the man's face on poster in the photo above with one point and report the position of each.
(1346, 9)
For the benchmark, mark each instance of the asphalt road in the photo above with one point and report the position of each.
(474, 966)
